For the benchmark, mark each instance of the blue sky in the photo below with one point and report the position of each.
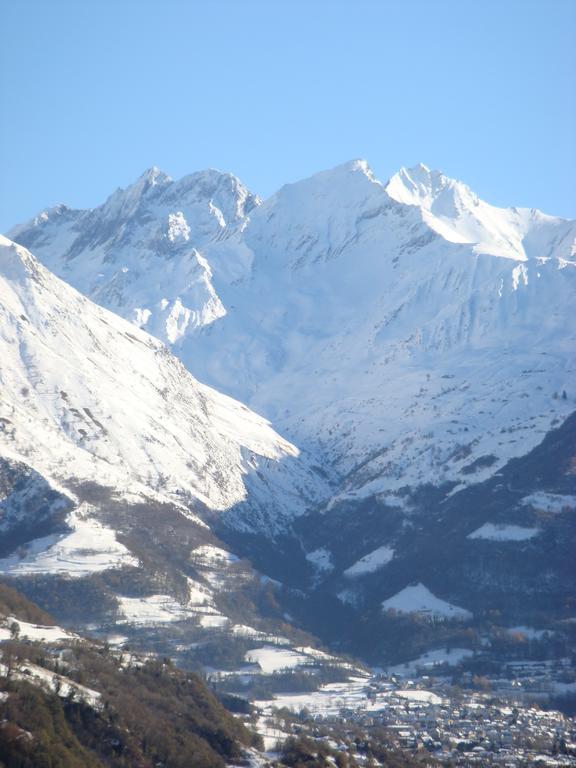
(94, 92)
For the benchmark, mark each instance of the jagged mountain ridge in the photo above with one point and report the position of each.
(406, 331)
(138, 230)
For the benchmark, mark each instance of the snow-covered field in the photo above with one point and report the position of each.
(503, 532)
(417, 695)
(328, 700)
(321, 558)
(36, 632)
(164, 609)
(155, 609)
(371, 562)
(418, 599)
(355, 695)
(211, 556)
(272, 659)
(90, 547)
(214, 621)
(429, 661)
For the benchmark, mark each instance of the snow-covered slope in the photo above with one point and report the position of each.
(85, 396)
(409, 332)
(137, 254)
(452, 210)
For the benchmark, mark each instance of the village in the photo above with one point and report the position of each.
(477, 722)
(466, 729)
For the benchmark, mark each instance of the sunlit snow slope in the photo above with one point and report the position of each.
(85, 396)
(410, 332)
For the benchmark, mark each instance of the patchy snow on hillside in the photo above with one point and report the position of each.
(59, 684)
(36, 632)
(371, 562)
(89, 548)
(327, 701)
(419, 600)
(199, 595)
(243, 630)
(550, 502)
(154, 609)
(321, 558)
(426, 697)
(272, 659)
(429, 661)
(213, 621)
(209, 555)
(503, 532)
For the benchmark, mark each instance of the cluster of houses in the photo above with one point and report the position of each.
(475, 729)
(454, 726)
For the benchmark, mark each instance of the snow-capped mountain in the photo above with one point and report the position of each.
(86, 397)
(409, 332)
(117, 466)
(412, 338)
(138, 253)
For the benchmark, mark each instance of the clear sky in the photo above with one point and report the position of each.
(96, 91)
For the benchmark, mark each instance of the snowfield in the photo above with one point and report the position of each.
(272, 659)
(321, 558)
(59, 684)
(503, 532)
(90, 548)
(155, 609)
(371, 562)
(36, 632)
(418, 599)
(423, 696)
(429, 661)
(209, 555)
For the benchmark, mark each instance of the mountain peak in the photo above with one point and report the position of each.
(124, 201)
(418, 185)
(152, 177)
(357, 166)
(455, 212)
(222, 188)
